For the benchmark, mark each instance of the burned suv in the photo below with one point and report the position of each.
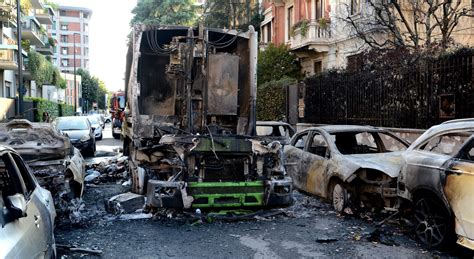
(437, 179)
(56, 164)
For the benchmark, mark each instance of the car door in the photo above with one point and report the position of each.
(293, 158)
(459, 189)
(426, 163)
(314, 164)
(29, 236)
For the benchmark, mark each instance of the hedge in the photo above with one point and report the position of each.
(52, 108)
(271, 99)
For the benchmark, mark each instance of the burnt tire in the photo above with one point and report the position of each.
(339, 197)
(433, 223)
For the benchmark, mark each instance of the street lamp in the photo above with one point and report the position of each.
(20, 65)
(75, 83)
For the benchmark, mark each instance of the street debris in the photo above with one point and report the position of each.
(125, 203)
(107, 169)
(78, 249)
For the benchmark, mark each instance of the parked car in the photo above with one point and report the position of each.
(346, 164)
(437, 179)
(100, 118)
(97, 125)
(56, 163)
(107, 118)
(275, 130)
(27, 211)
(79, 131)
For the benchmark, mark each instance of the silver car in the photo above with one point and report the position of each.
(27, 211)
(346, 164)
(96, 124)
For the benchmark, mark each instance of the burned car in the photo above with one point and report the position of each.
(437, 179)
(275, 130)
(346, 164)
(26, 211)
(56, 164)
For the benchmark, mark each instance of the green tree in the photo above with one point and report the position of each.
(101, 92)
(276, 62)
(231, 14)
(42, 70)
(90, 86)
(175, 12)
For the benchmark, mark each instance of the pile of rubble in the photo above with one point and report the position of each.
(107, 169)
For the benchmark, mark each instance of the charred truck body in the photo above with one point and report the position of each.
(190, 121)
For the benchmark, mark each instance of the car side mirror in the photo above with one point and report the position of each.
(93, 128)
(17, 208)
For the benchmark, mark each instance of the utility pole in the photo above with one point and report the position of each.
(75, 82)
(20, 63)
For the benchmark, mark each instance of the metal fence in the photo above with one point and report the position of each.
(413, 97)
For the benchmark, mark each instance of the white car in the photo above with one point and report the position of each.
(27, 211)
(97, 125)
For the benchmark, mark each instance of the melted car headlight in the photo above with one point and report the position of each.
(85, 138)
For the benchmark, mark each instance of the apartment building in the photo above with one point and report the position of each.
(33, 30)
(71, 30)
(313, 31)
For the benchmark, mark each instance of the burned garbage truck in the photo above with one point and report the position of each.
(190, 121)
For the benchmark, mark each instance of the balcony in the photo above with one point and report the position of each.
(47, 49)
(8, 57)
(31, 30)
(37, 4)
(316, 37)
(7, 11)
(45, 15)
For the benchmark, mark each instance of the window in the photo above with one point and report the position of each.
(64, 51)
(319, 9)
(300, 141)
(64, 26)
(8, 87)
(349, 143)
(86, 39)
(86, 52)
(318, 67)
(85, 15)
(467, 153)
(319, 145)
(62, 12)
(289, 21)
(355, 7)
(25, 174)
(64, 38)
(391, 144)
(86, 27)
(269, 32)
(355, 62)
(64, 62)
(447, 144)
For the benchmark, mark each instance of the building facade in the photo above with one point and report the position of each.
(71, 30)
(314, 31)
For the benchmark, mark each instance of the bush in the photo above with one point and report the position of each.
(271, 104)
(277, 62)
(52, 108)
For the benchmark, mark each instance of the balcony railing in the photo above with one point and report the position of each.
(314, 35)
(7, 11)
(45, 15)
(32, 31)
(8, 58)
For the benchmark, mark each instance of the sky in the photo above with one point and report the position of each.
(108, 30)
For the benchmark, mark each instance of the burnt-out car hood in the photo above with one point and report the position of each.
(36, 141)
(389, 163)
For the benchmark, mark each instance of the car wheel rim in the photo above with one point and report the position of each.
(430, 223)
(338, 198)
